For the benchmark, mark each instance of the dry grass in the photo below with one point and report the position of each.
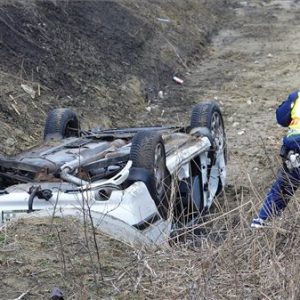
(225, 260)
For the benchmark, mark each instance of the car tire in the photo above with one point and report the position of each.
(208, 114)
(61, 123)
(149, 165)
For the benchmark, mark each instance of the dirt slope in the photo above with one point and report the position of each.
(249, 68)
(252, 68)
(105, 59)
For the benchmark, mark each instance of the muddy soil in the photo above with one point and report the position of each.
(248, 67)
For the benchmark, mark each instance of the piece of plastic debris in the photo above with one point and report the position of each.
(164, 20)
(161, 94)
(177, 79)
(148, 108)
(249, 102)
(29, 90)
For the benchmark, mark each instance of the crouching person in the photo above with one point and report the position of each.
(288, 178)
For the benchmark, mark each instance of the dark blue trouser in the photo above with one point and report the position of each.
(281, 192)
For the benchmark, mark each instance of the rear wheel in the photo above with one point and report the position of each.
(208, 115)
(149, 165)
(61, 123)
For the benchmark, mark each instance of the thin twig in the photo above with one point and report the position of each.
(22, 296)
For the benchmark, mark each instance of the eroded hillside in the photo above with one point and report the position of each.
(106, 60)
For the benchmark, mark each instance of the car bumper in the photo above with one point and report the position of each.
(129, 215)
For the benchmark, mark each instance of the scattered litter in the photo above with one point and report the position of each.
(177, 79)
(241, 132)
(29, 90)
(270, 55)
(256, 169)
(148, 108)
(161, 94)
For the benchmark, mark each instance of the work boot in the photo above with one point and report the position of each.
(259, 223)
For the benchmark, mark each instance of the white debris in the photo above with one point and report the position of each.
(177, 79)
(241, 132)
(249, 102)
(160, 94)
(148, 108)
(29, 90)
(164, 20)
(235, 124)
(230, 119)
(269, 55)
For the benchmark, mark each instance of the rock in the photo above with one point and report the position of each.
(29, 90)
(10, 142)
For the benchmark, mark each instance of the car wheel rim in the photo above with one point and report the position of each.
(159, 168)
(217, 130)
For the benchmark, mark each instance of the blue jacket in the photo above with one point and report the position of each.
(283, 116)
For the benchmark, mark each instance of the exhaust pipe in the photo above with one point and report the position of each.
(86, 157)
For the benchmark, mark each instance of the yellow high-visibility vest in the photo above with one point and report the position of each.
(294, 127)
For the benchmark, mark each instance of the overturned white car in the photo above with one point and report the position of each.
(136, 184)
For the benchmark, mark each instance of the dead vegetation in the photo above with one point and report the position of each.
(225, 260)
